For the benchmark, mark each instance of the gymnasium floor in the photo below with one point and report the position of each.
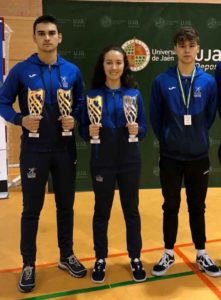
(183, 280)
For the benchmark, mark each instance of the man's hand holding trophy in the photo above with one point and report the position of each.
(130, 110)
(65, 101)
(94, 107)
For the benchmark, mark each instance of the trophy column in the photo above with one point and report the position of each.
(65, 101)
(94, 107)
(130, 111)
(35, 106)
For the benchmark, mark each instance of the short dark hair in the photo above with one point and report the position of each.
(99, 77)
(186, 33)
(45, 19)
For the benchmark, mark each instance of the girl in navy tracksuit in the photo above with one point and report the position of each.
(115, 160)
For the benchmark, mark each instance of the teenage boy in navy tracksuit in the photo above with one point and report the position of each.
(40, 76)
(182, 110)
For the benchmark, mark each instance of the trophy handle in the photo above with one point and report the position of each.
(95, 140)
(33, 134)
(66, 133)
(132, 138)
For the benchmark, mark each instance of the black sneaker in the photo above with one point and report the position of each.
(27, 280)
(73, 265)
(98, 273)
(163, 265)
(138, 271)
(205, 263)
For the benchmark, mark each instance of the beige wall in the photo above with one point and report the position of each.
(19, 15)
(22, 8)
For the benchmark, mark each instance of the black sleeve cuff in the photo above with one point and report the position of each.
(18, 120)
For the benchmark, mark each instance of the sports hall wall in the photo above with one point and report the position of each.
(88, 26)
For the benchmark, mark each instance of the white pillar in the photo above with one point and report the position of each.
(3, 140)
(3, 161)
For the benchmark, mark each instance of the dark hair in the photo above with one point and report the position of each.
(45, 19)
(186, 33)
(99, 77)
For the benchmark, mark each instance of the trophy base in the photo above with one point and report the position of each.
(66, 133)
(33, 135)
(95, 141)
(133, 139)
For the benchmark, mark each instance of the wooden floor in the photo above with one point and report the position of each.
(183, 280)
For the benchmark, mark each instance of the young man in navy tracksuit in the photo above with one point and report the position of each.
(39, 78)
(182, 110)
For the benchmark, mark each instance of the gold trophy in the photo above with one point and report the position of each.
(130, 111)
(35, 106)
(94, 107)
(65, 101)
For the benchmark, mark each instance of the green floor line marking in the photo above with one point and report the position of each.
(107, 286)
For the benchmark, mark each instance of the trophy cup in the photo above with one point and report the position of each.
(130, 111)
(94, 107)
(65, 101)
(35, 106)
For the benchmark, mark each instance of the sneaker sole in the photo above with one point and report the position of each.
(161, 273)
(140, 280)
(97, 281)
(77, 275)
(23, 291)
(208, 272)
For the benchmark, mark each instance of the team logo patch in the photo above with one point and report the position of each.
(32, 75)
(197, 92)
(138, 54)
(31, 173)
(64, 82)
(99, 178)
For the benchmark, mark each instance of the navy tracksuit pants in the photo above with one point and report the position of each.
(116, 163)
(104, 183)
(35, 168)
(195, 175)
